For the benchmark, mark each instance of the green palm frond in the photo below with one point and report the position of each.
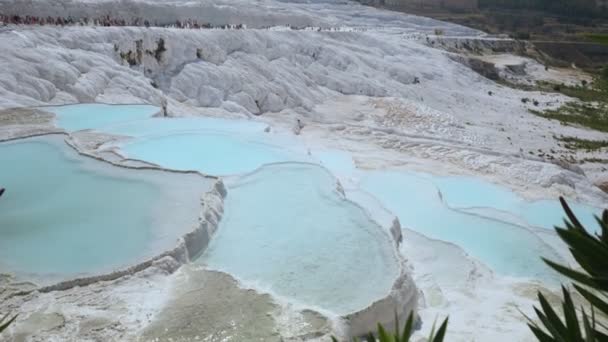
(403, 336)
(591, 253)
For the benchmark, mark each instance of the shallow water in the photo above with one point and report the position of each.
(211, 153)
(486, 220)
(64, 215)
(286, 228)
(58, 217)
(471, 193)
(507, 249)
(210, 145)
(97, 115)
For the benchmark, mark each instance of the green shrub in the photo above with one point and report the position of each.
(599, 38)
(604, 74)
(582, 114)
(575, 143)
(521, 35)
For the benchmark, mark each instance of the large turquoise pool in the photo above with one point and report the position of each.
(491, 223)
(64, 215)
(288, 230)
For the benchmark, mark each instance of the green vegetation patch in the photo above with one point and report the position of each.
(575, 143)
(591, 113)
(594, 160)
(572, 113)
(599, 38)
(595, 92)
(588, 93)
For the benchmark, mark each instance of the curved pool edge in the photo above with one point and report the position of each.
(188, 245)
(398, 304)
(401, 299)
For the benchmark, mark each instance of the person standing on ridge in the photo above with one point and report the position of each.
(164, 104)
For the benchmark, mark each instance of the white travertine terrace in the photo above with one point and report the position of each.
(377, 85)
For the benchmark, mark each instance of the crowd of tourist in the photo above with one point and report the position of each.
(105, 21)
(108, 21)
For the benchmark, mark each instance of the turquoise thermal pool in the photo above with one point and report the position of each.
(506, 248)
(287, 229)
(490, 223)
(477, 196)
(215, 154)
(64, 215)
(210, 145)
(96, 115)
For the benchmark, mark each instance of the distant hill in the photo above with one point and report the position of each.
(570, 8)
(567, 8)
(457, 5)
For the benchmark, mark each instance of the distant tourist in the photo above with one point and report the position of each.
(163, 104)
(298, 127)
(1, 191)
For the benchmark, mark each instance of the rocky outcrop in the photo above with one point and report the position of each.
(568, 166)
(401, 301)
(480, 46)
(485, 69)
(197, 240)
(561, 179)
(517, 69)
(581, 54)
(603, 185)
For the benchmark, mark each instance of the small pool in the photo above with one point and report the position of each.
(286, 228)
(64, 215)
(508, 249)
(96, 115)
(481, 197)
(211, 145)
(212, 153)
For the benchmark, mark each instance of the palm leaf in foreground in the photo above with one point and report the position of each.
(591, 253)
(404, 336)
